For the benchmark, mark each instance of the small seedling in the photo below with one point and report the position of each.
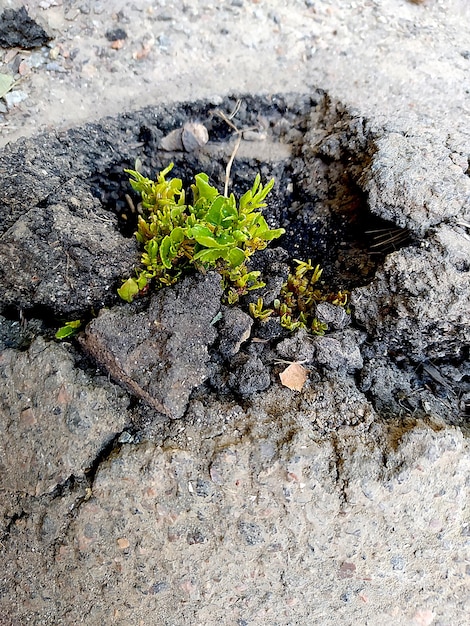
(213, 232)
(257, 311)
(69, 329)
(295, 306)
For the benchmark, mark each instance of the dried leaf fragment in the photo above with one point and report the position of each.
(294, 376)
(6, 83)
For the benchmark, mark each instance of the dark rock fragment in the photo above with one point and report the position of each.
(17, 29)
(340, 351)
(297, 347)
(248, 375)
(54, 418)
(118, 34)
(333, 315)
(234, 330)
(67, 262)
(161, 354)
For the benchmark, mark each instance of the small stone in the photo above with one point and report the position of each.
(194, 136)
(172, 142)
(254, 135)
(297, 347)
(335, 316)
(339, 351)
(234, 330)
(251, 533)
(12, 98)
(196, 537)
(123, 543)
(165, 16)
(116, 34)
(158, 587)
(126, 437)
(55, 67)
(397, 562)
(164, 42)
(270, 329)
(249, 375)
(346, 570)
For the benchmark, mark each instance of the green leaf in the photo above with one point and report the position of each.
(214, 214)
(209, 255)
(204, 190)
(177, 235)
(152, 249)
(204, 237)
(129, 290)
(69, 329)
(165, 250)
(263, 231)
(268, 235)
(163, 173)
(236, 257)
(238, 235)
(6, 83)
(142, 281)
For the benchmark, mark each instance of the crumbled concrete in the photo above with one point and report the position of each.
(234, 330)
(160, 354)
(249, 375)
(296, 347)
(279, 530)
(419, 302)
(55, 419)
(66, 261)
(340, 351)
(413, 182)
(344, 503)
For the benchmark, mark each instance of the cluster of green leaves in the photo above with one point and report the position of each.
(213, 232)
(295, 306)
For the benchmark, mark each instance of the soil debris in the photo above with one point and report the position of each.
(19, 30)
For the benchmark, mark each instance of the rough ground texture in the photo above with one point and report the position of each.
(344, 503)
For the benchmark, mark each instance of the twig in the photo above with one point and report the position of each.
(230, 162)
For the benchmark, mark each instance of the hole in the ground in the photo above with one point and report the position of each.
(314, 149)
(316, 198)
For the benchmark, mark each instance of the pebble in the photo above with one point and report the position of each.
(164, 42)
(116, 34)
(335, 316)
(296, 347)
(55, 67)
(254, 135)
(12, 98)
(194, 136)
(234, 330)
(172, 142)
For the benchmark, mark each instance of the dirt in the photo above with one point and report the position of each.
(156, 470)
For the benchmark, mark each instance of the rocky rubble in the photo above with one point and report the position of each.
(260, 503)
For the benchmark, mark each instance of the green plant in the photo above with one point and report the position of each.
(212, 232)
(69, 329)
(295, 306)
(257, 311)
